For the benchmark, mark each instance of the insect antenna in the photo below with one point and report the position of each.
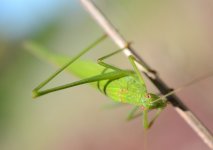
(204, 77)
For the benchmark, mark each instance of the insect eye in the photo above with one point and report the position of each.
(147, 95)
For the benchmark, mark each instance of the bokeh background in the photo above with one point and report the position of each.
(174, 37)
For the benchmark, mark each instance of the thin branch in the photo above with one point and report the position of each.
(179, 106)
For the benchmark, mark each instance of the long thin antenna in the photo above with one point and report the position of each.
(179, 106)
(184, 86)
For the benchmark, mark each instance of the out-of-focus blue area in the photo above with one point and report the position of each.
(19, 18)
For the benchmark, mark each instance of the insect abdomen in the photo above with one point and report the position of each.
(125, 90)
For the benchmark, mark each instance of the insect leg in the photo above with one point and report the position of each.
(42, 84)
(106, 76)
(137, 71)
(102, 63)
(145, 68)
(132, 114)
(145, 119)
(148, 124)
(155, 117)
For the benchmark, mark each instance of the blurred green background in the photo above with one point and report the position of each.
(174, 37)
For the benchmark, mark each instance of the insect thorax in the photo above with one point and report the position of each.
(125, 90)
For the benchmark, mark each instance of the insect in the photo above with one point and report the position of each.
(120, 85)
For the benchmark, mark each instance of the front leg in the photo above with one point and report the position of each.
(146, 122)
(145, 119)
(133, 113)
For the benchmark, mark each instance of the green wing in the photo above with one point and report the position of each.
(80, 68)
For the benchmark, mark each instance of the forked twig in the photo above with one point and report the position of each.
(179, 106)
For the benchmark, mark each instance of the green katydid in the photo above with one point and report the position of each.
(123, 86)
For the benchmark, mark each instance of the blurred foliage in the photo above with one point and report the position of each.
(15, 65)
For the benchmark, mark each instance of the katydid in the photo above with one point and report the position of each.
(122, 86)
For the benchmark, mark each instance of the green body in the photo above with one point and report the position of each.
(126, 88)
(123, 86)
